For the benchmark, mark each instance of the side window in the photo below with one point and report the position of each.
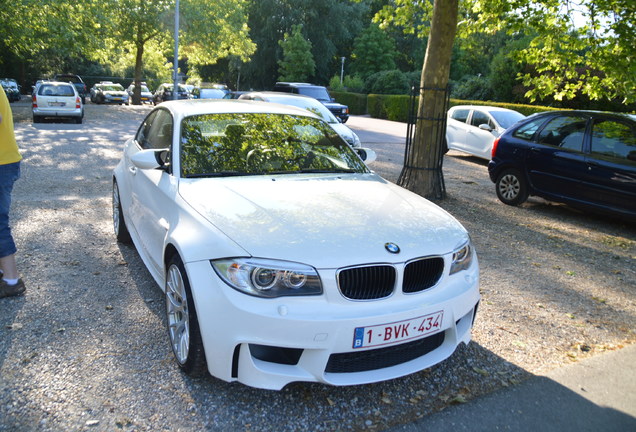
(614, 139)
(527, 131)
(566, 132)
(142, 134)
(479, 118)
(460, 115)
(160, 132)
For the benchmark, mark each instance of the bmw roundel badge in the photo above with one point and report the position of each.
(392, 247)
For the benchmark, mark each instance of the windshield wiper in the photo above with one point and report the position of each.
(328, 170)
(219, 174)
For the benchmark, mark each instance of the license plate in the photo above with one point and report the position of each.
(399, 331)
(57, 104)
(117, 98)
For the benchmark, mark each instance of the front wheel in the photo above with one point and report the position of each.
(183, 325)
(119, 225)
(512, 187)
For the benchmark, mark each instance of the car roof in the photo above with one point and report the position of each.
(57, 83)
(186, 108)
(587, 112)
(280, 95)
(481, 107)
(298, 84)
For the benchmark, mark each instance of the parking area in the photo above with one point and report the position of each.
(86, 347)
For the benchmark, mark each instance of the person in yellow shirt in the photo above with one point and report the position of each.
(10, 282)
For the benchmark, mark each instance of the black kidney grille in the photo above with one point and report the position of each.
(367, 283)
(422, 274)
(383, 357)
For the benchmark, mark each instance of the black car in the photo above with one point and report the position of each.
(76, 80)
(316, 92)
(164, 93)
(11, 89)
(582, 158)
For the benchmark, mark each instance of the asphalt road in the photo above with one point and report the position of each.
(86, 347)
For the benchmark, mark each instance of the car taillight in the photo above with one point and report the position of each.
(494, 147)
(78, 102)
(35, 100)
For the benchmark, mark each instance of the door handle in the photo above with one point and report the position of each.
(132, 169)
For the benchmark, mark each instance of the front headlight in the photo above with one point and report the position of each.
(356, 140)
(268, 278)
(462, 258)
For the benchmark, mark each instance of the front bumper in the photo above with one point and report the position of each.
(269, 343)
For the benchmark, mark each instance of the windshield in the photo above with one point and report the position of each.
(507, 118)
(253, 144)
(319, 93)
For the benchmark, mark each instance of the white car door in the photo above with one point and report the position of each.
(153, 190)
(456, 128)
(479, 141)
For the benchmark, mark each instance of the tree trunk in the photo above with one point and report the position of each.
(422, 174)
(136, 99)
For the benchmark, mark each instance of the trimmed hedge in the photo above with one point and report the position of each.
(356, 102)
(395, 107)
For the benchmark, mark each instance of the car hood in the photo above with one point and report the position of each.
(327, 221)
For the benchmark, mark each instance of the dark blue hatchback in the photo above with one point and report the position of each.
(582, 158)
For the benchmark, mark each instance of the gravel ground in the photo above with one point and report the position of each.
(85, 349)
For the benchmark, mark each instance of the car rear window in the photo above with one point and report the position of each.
(56, 90)
(460, 115)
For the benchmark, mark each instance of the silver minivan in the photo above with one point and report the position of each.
(57, 99)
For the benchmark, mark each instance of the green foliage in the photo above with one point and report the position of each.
(474, 87)
(330, 25)
(298, 62)
(354, 83)
(335, 84)
(387, 82)
(373, 51)
(593, 58)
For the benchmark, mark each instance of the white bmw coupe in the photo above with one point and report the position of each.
(282, 256)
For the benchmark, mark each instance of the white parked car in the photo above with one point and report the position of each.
(311, 104)
(282, 257)
(56, 99)
(473, 129)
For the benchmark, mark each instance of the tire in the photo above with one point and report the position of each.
(119, 225)
(511, 187)
(37, 119)
(79, 120)
(182, 322)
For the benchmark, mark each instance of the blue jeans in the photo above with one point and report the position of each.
(9, 173)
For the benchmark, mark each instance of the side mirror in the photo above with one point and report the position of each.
(150, 159)
(366, 154)
(485, 127)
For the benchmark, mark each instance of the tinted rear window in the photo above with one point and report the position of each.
(460, 115)
(56, 90)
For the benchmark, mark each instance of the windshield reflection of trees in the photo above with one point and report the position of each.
(243, 144)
